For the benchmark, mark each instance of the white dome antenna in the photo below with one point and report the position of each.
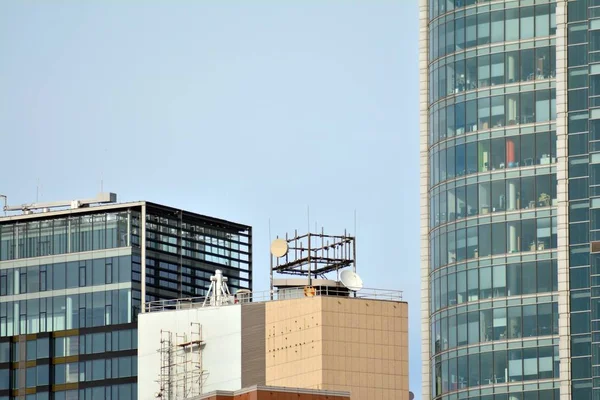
(351, 280)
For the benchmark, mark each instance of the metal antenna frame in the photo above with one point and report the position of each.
(314, 255)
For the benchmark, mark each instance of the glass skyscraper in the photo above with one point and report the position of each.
(498, 258)
(73, 281)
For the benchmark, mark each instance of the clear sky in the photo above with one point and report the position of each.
(245, 110)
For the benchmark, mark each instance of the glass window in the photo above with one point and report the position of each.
(499, 323)
(544, 313)
(500, 366)
(4, 380)
(515, 365)
(483, 155)
(471, 31)
(485, 283)
(512, 110)
(98, 370)
(30, 377)
(58, 276)
(498, 117)
(512, 66)
(527, 65)
(487, 373)
(497, 26)
(498, 195)
(474, 369)
(43, 374)
(72, 274)
(542, 22)
(43, 347)
(459, 38)
(527, 23)
(484, 241)
(471, 155)
(485, 198)
(577, 55)
(486, 325)
(473, 320)
(59, 374)
(497, 69)
(31, 350)
(512, 24)
(512, 194)
(499, 237)
(513, 272)
(529, 321)
(527, 112)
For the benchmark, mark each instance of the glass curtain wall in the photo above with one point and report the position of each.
(492, 200)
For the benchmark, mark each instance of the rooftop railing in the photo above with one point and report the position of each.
(243, 297)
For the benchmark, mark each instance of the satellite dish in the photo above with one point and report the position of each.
(351, 280)
(279, 247)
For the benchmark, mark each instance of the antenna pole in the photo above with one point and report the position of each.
(354, 242)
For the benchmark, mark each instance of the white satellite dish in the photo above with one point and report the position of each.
(351, 280)
(279, 247)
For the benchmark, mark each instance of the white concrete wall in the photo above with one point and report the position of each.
(221, 354)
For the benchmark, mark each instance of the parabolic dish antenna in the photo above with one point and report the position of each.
(279, 247)
(351, 280)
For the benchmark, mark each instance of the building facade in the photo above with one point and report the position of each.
(73, 281)
(318, 341)
(497, 193)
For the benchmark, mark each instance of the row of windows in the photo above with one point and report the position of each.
(456, 158)
(59, 276)
(490, 368)
(85, 371)
(73, 372)
(492, 112)
(492, 282)
(457, 32)
(500, 323)
(439, 7)
(492, 239)
(65, 346)
(525, 193)
(546, 394)
(449, 77)
(67, 312)
(228, 258)
(61, 236)
(111, 392)
(198, 233)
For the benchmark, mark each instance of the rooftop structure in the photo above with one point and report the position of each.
(315, 337)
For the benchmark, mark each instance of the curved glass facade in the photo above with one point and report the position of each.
(492, 200)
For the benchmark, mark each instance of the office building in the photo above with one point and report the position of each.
(510, 199)
(306, 332)
(320, 339)
(74, 276)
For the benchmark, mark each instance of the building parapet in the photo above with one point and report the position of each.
(242, 297)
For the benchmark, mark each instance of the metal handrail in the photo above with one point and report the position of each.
(280, 294)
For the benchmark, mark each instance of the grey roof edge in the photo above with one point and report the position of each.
(335, 393)
(112, 206)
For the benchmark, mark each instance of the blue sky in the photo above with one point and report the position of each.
(245, 110)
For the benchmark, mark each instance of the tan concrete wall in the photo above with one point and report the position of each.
(343, 344)
(294, 343)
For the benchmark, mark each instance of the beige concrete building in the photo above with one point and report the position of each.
(313, 340)
(334, 343)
